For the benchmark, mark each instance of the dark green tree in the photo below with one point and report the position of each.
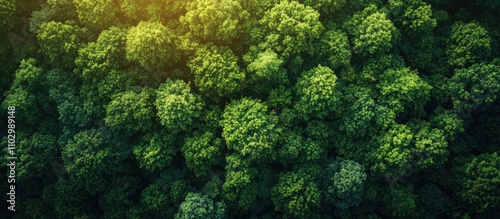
(478, 180)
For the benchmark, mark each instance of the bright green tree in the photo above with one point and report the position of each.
(151, 44)
(326, 7)
(97, 59)
(318, 92)
(202, 151)
(290, 28)
(403, 88)
(334, 50)
(249, 129)
(155, 151)
(214, 20)
(216, 71)
(375, 35)
(177, 105)
(96, 15)
(296, 193)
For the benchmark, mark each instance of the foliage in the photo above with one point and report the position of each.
(344, 182)
(318, 92)
(470, 44)
(177, 105)
(251, 109)
(60, 42)
(152, 45)
(478, 178)
(214, 20)
(250, 129)
(216, 71)
(296, 194)
(290, 28)
(474, 87)
(198, 206)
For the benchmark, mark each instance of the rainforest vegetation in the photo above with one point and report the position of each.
(218, 109)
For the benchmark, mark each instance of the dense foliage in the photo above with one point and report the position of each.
(252, 109)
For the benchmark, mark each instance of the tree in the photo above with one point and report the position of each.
(202, 152)
(119, 198)
(156, 151)
(266, 71)
(474, 88)
(7, 10)
(214, 20)
(200, 206)
(296, 194)
(131, 111)
(216, 71)
(403, 88)
(470, 43)
(290, 28)
(151, 45)
(91, 157)
(36, 153)
(334, 50)
(431, 148)
(478, 180)
(98, 59)
(22, 92)
(68, 199)
(294, 148)
(96, 15)
(177, 105)
(249, 129)
(395, 151)
(344, 183)
(239, 188)
(161, 198)
(375, 35)
(433, 199)
(418, 18)
(60, 42)
(400, 201)
(326, 7)
(318, 92)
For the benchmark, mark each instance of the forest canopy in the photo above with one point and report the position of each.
(251, 109)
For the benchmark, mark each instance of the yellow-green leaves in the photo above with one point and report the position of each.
(290, 28)
(375, 35)
(177, 105)
(214, 20)
(151, 45)
(250, 129)
(216, 71)
(318, 92)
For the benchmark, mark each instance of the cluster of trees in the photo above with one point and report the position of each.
(253, 109)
